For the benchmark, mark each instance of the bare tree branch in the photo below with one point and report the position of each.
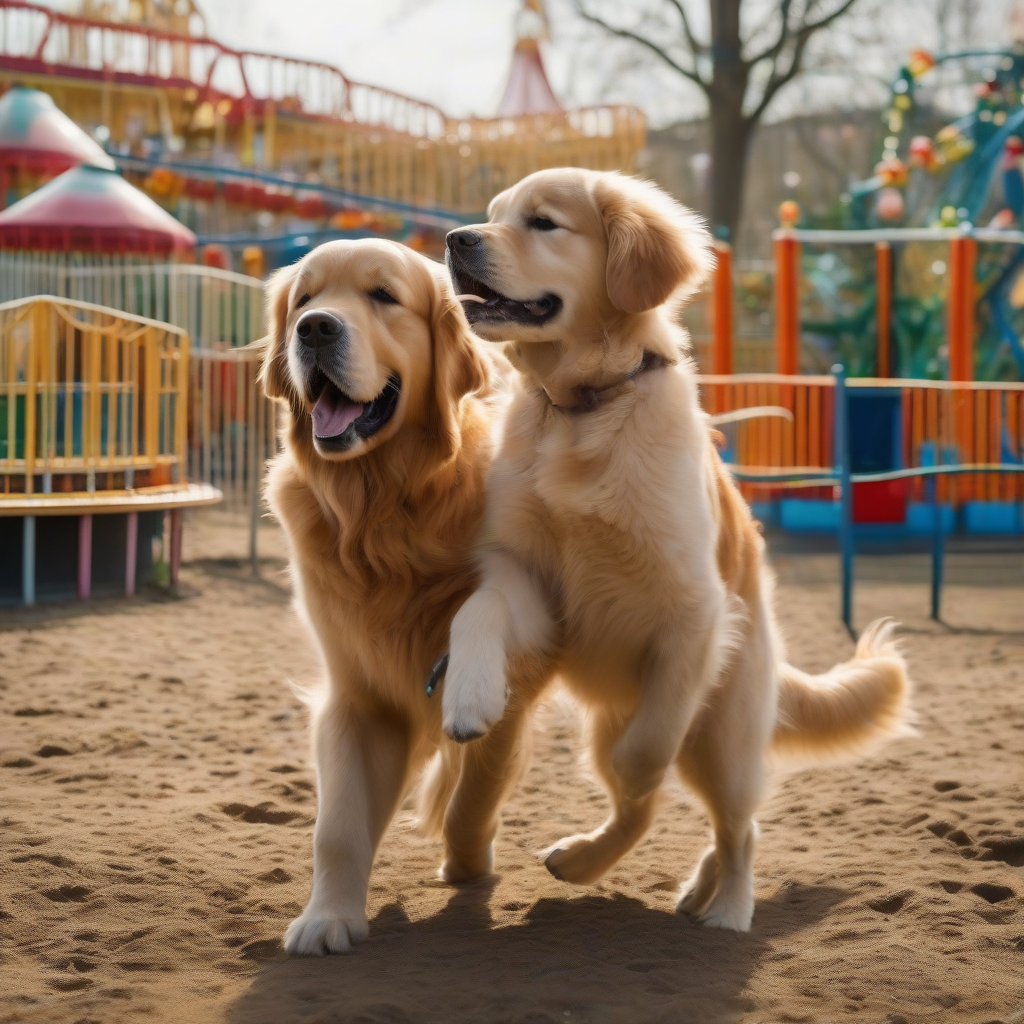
(696, 46)
(802, 37)
(772, 52)
(625, 33)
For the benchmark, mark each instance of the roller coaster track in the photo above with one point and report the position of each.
(35, 40)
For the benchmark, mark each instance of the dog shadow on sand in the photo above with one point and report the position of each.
(600, 959)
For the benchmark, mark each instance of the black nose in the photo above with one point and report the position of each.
(463, 238)
(318, 328)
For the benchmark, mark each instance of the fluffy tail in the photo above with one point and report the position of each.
(850, 706)
(436, 787)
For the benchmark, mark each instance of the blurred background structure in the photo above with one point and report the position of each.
(860, 165)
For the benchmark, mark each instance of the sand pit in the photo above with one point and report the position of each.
(156, 806)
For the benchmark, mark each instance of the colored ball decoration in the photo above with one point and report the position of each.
(921, 151)
(889, 204)
(920, 62)
(892, 172)
(789, 213)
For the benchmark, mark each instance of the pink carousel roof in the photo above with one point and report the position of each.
(36, 135)
(92, 209)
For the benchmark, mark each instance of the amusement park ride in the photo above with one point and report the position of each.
(221, 136)
(126, 371)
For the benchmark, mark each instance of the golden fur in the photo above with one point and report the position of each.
(380, 540)
(617, 551)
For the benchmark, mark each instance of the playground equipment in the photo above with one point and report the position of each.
(38, 142)
(238, 208)
(161, 92)
(231, 425)
(950, 444)
(93, 447)
(885, 337)
(962, 185)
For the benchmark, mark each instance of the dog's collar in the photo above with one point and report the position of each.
(589, 397)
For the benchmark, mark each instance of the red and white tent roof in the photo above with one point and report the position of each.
(91, 209)
(36, 135)
(528, 90)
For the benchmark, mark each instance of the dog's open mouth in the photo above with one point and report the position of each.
(484, 305)
(340, 421)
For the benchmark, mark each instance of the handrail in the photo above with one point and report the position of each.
(869, 236)
(92, 307)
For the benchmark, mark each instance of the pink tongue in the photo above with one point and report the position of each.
(333, 413)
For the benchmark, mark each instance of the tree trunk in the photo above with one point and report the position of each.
(731, 133)
(730, 130)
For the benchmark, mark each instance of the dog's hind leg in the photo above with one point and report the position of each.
(585, 858)
(362, 762)
(723, 762)
(674, 682)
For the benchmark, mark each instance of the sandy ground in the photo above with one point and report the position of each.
(156, 808)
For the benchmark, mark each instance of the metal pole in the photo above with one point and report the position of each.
(842, 468)
(883, 310)
(28, 561)
(255, 466)
(787, 303)
(721, 353)
(938, 548)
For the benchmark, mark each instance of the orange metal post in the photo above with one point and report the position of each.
(883, 304)
(963, 253)
(721, 350)
(787, 304)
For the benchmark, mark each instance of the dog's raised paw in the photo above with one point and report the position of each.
(319, 932)
(470, 706)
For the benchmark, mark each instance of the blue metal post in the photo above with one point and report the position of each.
(28, 560)
(938, 547)
(841, 460)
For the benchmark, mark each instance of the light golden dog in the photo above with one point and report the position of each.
(380, 489)
(617, 552)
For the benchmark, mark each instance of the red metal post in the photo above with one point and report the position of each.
(883, 308)
(963, 254)
(787, 303)
(130, 553)
(722, 338)
(84, 557)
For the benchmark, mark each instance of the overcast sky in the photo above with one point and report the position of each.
(456, 53)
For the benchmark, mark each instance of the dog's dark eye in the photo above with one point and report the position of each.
(541, 224)
(302, 301)
(383, 296)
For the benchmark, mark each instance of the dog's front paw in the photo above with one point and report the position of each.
(318, 932)
(473, 701)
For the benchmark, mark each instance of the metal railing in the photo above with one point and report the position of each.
(961, 441)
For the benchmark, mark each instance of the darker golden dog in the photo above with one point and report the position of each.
(380, 489)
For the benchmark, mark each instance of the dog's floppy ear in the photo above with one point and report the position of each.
(655, 246)
(460, 368)
(274, 374)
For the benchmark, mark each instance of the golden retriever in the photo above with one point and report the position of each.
(617, 551)
(380, 489)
